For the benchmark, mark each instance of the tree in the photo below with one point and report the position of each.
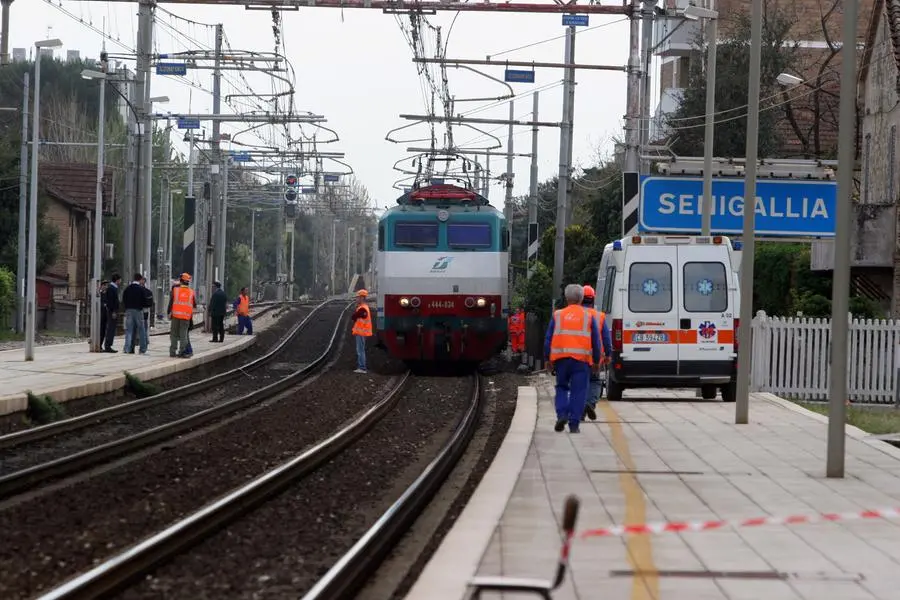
(686, 124)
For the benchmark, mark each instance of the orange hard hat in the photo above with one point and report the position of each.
(185, 277)
(362, 293)
(588, 292)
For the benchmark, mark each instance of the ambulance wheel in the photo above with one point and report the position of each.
(708, 392)
(729, 392)
(614, 390)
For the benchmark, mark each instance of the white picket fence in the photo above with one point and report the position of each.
(791, 358)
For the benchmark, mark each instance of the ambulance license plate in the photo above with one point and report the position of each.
(650, 338)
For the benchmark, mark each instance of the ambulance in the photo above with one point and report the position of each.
(672, 303)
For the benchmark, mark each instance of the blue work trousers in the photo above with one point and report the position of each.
(134, 328)
(596, 389)
(244, 322)
(361, 352)
(572, 378)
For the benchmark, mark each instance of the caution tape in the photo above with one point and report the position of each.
(688, 526)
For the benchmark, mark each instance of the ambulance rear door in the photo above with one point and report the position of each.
(650, 314)
(706, 312)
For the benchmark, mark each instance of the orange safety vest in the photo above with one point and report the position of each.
(600, 316)
(363, 325)
(183, 303)
(243, 309)
(571, 334)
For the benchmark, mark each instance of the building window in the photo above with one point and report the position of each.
(866, 162)
(892, 155)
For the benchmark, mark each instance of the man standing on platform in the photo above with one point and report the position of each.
(133, 300)
(242, 309)
(572, 349)
(112, 311)
(218, 302)
(181, 313)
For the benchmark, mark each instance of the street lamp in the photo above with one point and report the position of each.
(31, 312)
(788, 80)
(98, 218)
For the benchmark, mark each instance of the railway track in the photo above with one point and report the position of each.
(346, 576)
(34, 456)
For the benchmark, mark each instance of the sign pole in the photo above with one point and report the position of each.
(742, 404)
(708, 138)
(840, 295)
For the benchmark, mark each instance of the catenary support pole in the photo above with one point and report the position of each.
(223, 222)
(333, 255)
(189, 245)
(292, 224)
(840, 295)
(279, 249)
(533, 191)
(562, 190)
(742, 404)
(162, 258)
(147, 154)
(142, 70)
(98, 218)
(252, 250)
(31, 295)
(23, 210)
(570, 125)
(509, 183)
(630, 175)
(647, 15)
(216, 203)
(709, 127)
(131, 180)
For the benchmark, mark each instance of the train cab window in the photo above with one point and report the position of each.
(381, 237)
(469, 235)
(419, 235)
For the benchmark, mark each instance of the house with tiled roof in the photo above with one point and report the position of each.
(70, 193)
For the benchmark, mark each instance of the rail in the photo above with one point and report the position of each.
(135, 562)
(24, 479)
(349, 573)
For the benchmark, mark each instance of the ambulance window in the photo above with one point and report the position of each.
(608, 289)
(705, 287)
(650, 287)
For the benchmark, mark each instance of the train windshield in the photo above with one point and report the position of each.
(469, 235)
(416, 234)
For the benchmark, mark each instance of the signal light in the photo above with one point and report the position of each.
(290, 195)
(291, 180)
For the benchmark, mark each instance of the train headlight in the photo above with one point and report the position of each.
(415, 302)
(481, 302)
(404, 302)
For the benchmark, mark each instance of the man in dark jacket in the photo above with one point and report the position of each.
(133, 299)
(218, 304)
(112, 311)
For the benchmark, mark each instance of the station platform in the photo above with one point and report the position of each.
(667, 457)
(70, 371)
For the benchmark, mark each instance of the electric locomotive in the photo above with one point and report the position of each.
(441, 273)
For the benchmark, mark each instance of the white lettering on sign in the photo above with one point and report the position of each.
(794, 208)
(441, 304)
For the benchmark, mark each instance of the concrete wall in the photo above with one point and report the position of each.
(872, 240)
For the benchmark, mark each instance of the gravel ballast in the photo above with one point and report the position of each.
(52, 536)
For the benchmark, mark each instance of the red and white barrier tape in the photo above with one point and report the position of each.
(687, 526)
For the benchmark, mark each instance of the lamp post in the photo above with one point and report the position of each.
(148, 207)
(350, 231)
(98, 210)
(30, 308)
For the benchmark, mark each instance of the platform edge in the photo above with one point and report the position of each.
(457, 559)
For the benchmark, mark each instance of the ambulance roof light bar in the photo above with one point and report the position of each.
(734, 167)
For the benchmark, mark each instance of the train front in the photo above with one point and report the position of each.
(442, 277)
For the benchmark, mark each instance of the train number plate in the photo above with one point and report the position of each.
(442, 304)
(657, 337)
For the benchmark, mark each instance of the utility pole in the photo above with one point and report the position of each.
(647, 43)
(533, 192)
(4, 32)
(142, 79)
(223, 222)
(162, 280)
(570, 125)
(292, 225)
(509, 183)
(709, 127)
(279, 247)
(189, 246)
(630, 175)
(131, 158)
(217, 207)
(252, 250)
(23, 206)
(487, 176)
(333, 254)
(562, 187)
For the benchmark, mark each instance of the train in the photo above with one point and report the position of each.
(441, 271)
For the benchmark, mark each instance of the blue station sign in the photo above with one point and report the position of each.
(784, 207)
(518, 76)
(332, 178)
(575, 20)
(307, 190)
(171, 68)
(188, 123)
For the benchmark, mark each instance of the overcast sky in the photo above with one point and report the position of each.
(354, 67)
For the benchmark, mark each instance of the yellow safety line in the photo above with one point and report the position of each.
(640, 548)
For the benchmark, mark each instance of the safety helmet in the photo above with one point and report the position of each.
(186, 277)
(362, 294)
(588, 292)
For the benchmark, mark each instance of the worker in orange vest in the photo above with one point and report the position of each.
(516, 327)
(242, 310)
(181, 312)
(572, 349)
(362, 329)
(596, 386)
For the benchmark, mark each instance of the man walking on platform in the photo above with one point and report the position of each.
(181, 313)
(572, 349)
(218, 302)
(242, 309)
(595, 390)
(133, 299)
(112, 311)
(362, 329)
